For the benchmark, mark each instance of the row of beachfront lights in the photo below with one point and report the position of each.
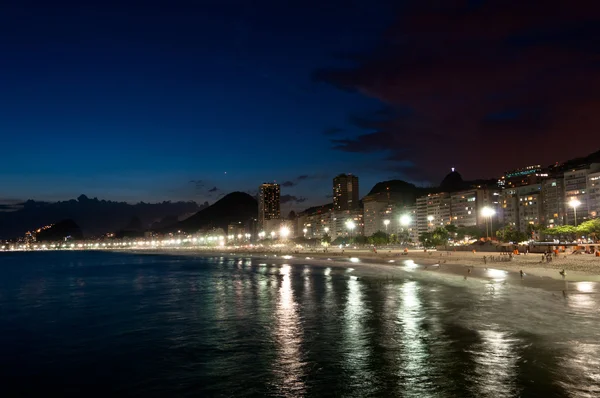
(405, 219)
(283, 233)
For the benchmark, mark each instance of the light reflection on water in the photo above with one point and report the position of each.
(239, 327)
(289, 368)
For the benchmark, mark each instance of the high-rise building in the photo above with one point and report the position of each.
(575, 183)
(593, 190)
(466, 206)
(553, 202)
(268, 203)
(345, 192)
(433, 211)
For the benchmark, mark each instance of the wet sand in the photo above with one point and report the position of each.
(458, 267)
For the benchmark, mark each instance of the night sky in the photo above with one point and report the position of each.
(191, 100)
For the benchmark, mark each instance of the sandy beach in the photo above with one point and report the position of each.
(578, 268)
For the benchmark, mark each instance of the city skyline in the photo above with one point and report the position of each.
(163, 103)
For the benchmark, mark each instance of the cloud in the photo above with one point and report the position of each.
(295, 181)
(484, 86)
(291, 199)
(198, 184)
(213, 189)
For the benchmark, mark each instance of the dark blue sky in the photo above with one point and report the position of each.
(133, 102)
(190, 100)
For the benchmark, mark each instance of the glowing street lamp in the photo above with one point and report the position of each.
(305, 231)
(326, 229)
(284, 232)
(430, 219)
(574, 203)
(405, 220)
(261, 234)
(350, 225)
(488, 213)
(386, 223)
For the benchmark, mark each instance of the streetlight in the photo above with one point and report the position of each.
(386, 223)
(261, 234)
(305, 231)
(326, 229)
(430, 219)
(488, 213)
(272, 234)
(350, 225)
(284, 232)
(574, 203)
(239, 236)
(405, 220)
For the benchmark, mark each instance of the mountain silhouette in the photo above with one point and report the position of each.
(232, 208)
(65, 229)
(94, 216)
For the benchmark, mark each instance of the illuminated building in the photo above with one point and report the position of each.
(553, 202)
(433, 210)
(593, 192)
(268, 203)
(575, 183)
(345, 192)
(523, 176)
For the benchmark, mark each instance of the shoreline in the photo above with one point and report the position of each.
(378, 268)
(457, 262)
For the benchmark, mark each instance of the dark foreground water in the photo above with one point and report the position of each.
(85, 323)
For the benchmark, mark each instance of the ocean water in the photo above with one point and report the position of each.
(116, 324)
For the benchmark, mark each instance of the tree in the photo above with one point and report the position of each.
(472, 232)
(379, 238)
(402, 237)
(438, 237)
(533, 229)
(360, 240)
(339, 241)
(567, 232)
(426, 239)
(510, 234)
(590, 228)
(326, 240)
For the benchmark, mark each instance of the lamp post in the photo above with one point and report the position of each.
(305, 231)
(284, 232)
(574, 203)
(326, 229)
(488, 213)
(272, 234)
(405, 221)
(430, 219)
(386, 223)
(350, 225)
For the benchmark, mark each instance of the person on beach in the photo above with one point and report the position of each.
(484, 259)
(522, 273)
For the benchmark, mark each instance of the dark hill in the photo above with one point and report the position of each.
(66, 229)
(94, 216)
(234, 207)
(453, 182)
(399, 191)
(574, 163)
